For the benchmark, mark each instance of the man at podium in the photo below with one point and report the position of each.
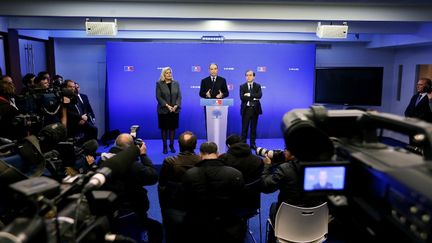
(213, 86)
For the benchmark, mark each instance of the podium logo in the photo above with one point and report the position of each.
(196, 69)
(217, 114)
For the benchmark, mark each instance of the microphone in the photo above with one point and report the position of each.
(98, 179)
(121, 162)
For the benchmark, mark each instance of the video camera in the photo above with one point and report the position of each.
(387, 187)
(69, 212)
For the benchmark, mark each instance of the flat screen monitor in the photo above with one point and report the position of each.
(324, 177)
(349, 85)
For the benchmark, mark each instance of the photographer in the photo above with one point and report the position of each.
(7, 110)
(129, 187)
(303, 142)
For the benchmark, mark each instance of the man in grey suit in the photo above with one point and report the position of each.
(168, 96)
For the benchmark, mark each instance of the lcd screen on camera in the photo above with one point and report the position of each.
(324, 178)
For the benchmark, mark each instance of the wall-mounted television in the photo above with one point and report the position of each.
(349, 85)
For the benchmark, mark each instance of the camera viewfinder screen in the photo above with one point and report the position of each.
(324, 178)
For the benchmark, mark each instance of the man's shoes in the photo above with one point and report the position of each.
(172, 150)
(165, 149)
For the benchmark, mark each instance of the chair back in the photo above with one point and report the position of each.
(299, 224)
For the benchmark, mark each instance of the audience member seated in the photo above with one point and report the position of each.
(130, 189)
(170, 187)
(212, 192)
(239, 156)
(285, 177)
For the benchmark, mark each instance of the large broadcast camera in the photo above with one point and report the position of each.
(71, 211)
(387, 187)
(39, 107)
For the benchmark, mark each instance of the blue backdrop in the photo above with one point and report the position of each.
(286, 73)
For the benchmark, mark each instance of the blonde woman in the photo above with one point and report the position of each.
(168, 96)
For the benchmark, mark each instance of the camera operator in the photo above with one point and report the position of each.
(304, 143)
(8, 110)
(130, 188)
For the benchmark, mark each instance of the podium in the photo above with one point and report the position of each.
(217, 120)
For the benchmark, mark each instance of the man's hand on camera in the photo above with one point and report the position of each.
(90, 159)
(267, 160)
(143, 149)
(66, 100)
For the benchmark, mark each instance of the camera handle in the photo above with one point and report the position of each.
(370, 121)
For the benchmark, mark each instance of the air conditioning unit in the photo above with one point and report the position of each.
(101, 28)
(332, 31)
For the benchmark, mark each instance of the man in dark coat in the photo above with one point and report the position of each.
(170, 187)
(129, 188)
(213, 86)
(212, 193)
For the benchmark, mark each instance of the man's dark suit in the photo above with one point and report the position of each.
(421, 110)
(219, 84)
(250, 112)
(87, 109)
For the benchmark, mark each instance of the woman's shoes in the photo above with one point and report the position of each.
(165, 150)
(172, 150)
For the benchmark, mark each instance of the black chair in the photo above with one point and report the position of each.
(251, 205)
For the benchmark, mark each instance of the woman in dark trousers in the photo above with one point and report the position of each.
(168, 96)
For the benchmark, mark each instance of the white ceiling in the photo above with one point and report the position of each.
(376, 22)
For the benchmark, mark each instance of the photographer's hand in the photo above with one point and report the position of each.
(143, 149)
(90, 159)
(267, 160)
(66, 100)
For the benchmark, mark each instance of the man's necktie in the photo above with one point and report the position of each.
(418, 99)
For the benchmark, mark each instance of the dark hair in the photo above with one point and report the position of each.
(187, 144)
(27, 79)
(250, 71)
(7, 89)
(38, 79)
(57, 77)
(65, 83)
(208, 148)
(232, 139)
(43, 73)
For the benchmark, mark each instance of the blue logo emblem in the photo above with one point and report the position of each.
(217, 114)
